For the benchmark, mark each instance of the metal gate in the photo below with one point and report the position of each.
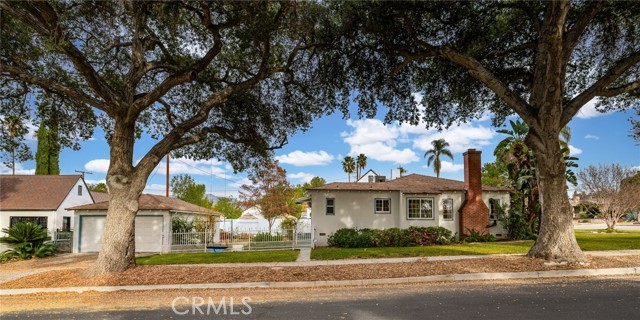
(62, 240)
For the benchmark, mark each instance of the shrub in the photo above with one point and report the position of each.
(351, 238)
(477, 236)
(265, 236)
(430, 235)
(630, 217)
(181, 225)
(28, 240)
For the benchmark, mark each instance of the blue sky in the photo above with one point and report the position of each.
(596, 138)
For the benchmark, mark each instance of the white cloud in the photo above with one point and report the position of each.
(589, 111)
(176, 166)
(574, 151)
(299, 158)
(590, 136)
(156, 188)
(239, 183)
(377, 141)
(301, 176)
(97, 165)
(460, 138)
(19, 169)
(451, 167)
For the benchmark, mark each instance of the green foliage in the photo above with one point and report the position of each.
(477, 236)
(315, 182)
(28, 240)
(630, 217)
(348, 166)
(515, 222)
(48, 152)
(265, 236)
(439, 149)
(99, 187)
(181, 224)
(391, 237)
(12, 140)
(289, 223)
(229, 207)
(495, 174)
(185, 188)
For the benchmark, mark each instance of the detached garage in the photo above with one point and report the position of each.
(153, 223)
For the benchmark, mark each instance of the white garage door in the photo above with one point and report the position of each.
(148, 233)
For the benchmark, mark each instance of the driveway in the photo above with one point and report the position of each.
(18, 269)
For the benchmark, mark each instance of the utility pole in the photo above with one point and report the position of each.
(167, 175)
(83, 172)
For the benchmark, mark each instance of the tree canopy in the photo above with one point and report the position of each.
(229, 207)
(184, 187)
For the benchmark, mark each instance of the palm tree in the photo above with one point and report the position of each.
(439, 148)
(402, 170)
(361, 163)
(513, 146)
(348, 165)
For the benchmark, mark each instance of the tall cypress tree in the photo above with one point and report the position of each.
(48, 153)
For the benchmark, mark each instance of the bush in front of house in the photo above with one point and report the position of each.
(351, 238)
(265, 236)
(477, 236)
(28, 240)
(392, 237)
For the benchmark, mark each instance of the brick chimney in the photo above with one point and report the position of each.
(475, 213)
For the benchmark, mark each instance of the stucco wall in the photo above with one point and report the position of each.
(355, 209)
(72, 200)
(497, 230)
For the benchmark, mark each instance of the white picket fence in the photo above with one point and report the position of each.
(242, 239)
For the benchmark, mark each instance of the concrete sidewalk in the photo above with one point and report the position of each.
(364, 282)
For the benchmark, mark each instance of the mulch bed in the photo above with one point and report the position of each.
(152, 275)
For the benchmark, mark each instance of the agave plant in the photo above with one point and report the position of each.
(28, 240)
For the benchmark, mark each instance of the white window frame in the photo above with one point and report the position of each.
(375, 205)
(430, 200)
(332, 206)
(492, 215)
(444, 201)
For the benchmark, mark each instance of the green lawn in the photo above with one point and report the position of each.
(219, 257)
(587, 239)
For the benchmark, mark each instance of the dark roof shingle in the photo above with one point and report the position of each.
(413, 183)
(153, 202)
(35, 192)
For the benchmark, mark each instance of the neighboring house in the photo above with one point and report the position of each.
(152, 224)
(412, 200)
(253, 220)
(368, 176)
(41, 199)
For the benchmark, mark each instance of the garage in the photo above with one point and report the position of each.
(148, 233)
(153, 222)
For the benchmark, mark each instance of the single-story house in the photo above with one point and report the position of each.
(153, 223)
(41, 199)
(412, 200)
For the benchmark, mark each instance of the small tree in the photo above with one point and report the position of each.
(99, 187)
(185, 188)
(270, 192)
(48, 152)
(604, 186)
(228, 207)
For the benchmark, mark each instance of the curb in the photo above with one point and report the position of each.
(317, 284)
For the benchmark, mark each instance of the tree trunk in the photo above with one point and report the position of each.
(556, 240)
(117, 252)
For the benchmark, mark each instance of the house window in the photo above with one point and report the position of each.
(42, 221)
(447, 209)
(372, 178)
(331, 206)
(494, 208)
(420, 209)
(79, 190)
(66, 223)
(383, 205)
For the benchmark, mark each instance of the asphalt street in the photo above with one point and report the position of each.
(617, 298)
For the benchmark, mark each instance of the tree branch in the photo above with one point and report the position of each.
(43, 19)
(24, 76)
(612, 92)
(573, 35)
(599, 87)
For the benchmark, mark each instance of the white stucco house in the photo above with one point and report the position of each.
(412, 200)
(41, 199)
(152, 225)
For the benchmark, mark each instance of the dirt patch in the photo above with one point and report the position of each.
(59, 261)
(152, 275)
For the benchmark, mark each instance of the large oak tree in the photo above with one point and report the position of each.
(542, 60)
(229, 80)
